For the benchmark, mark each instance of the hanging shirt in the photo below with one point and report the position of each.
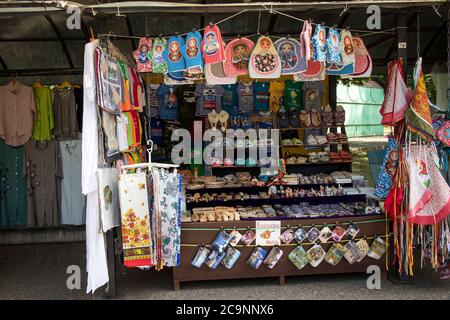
(43, 172)
(209, 99)
(168, 102)
(212, 46)
(12, 186)
(293, 95)
(43, 123)
(319, 44)
(261, 96)
(191, 50)
(333, 46)
(172, 54)
(134, 129)
(17, 111)
(230, 97)
(65, 113)
(122, 132)
(72, 200)
(108, 198)
(158, 62)
(96, 263)
(276, 90)
(186, 104)
(157, 130)
(152, 103)
(142, 55)
(245, 96)
(312, 92)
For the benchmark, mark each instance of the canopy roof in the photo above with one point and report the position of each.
(36, 41)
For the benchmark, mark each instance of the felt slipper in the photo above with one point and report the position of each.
(321, 140)
(213, 119)
(327, 116)
(345, 156)
(334, 157)
(293, 118)
(287, 142)
(283, 119)
(339, 116)
(315, 118)
(223, 118)
(342, 138)
(297, 142)
(311, 140)
(291, 160)
(305, 119)
(332, 138)
(301, 160)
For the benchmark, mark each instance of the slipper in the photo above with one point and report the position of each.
(339, 116)
(342, 137)
(305, 119)
(332, 138)
(315, 118)
(216, 162)
(227, 162)
(301, 160)
(346, 156)
(291, 160)
(223, 118)
(321, 139)
(287, 142)
(213, 119)
(240, 162)
(297, 142)
(334, 156)
(327, 116)
(250, 162)
(311, 140)
(283, 119)
(293, 118)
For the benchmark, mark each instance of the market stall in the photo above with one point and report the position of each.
(274, 193)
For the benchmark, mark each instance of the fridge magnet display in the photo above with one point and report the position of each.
(352, 230)
(313, 234)
(352, 253)
(335, 254)
(377, 248)
(268, 233)
(231, 256)
(299, 257)
(315, 255)
(273, 257)
(287, 236)
(235, 238)
(300, 235)
(248, 237)
(200, 257)
(221, 241)
(325, 234)
(257, 257)
(338, 233)
(363, 248)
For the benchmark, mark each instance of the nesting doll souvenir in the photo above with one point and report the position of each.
(333, 46)
(292, 59)
(346, 66)
(264, 60)
(215, 74)
(212, 45)
(237, 54)
(191, 51)
(142, 55)
(319, 44)
(158, 62)
(173, 56)
(363, 61)
(315, 70)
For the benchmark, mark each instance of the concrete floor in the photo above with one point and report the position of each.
(39, 272)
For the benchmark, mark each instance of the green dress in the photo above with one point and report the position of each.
(43, 121)
(13, 211)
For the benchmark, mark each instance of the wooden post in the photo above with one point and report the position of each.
(111, 256)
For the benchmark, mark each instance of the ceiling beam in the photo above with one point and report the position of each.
(61, 40)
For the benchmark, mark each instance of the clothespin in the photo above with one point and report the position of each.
(211, 24)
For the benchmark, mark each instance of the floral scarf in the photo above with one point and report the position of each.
(136, 236)
(166, 207)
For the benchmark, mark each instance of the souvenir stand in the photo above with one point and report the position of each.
(303, 211)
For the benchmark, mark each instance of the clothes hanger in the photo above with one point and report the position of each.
(65, 83)
(38, 83)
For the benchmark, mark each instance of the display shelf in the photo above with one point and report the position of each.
(315, 186)
(285, 201)
(195, 233)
